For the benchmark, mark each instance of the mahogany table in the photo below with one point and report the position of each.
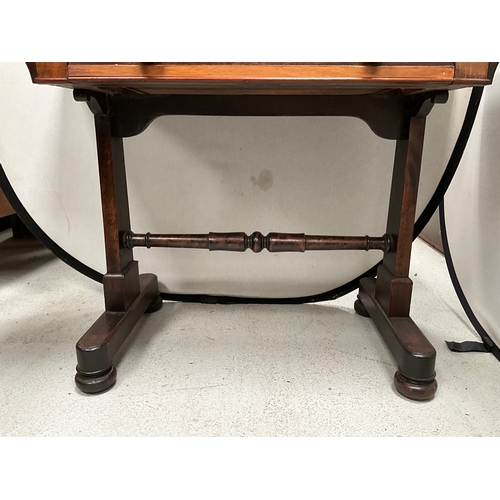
(392, 98)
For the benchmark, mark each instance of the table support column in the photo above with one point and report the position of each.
(387, 298)
(127, 295)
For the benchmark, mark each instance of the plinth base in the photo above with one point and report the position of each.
(415, 355)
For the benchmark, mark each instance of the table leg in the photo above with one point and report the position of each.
(387, 299)
(127, 294)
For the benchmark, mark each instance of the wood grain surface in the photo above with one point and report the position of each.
(298, 78)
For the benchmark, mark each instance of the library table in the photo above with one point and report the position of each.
(394, 99)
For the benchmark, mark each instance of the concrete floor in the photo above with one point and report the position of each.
(243, 370)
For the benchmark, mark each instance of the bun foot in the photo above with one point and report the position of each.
(418, 390)
(155, 305)
(95, 382)
(360, 308)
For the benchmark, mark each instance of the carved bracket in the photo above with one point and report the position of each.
(97, 102)
(423, 103)
(387, 115)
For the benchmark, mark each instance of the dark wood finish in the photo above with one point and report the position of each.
(114, 197)
(393, 98)
(394, 286)
(387, 300)
(274, 242)
(416, 357)
(97, 348)
(52, 73)
(360, 308)
(121, 289)
(126, 294)
(404, 196)
(5, 207)
(386, 115)
(474, 73)
(132, 114)
(95, 383)
(19, 229)
(155, 305)
(9, 219)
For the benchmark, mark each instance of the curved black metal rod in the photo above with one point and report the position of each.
(490, 346)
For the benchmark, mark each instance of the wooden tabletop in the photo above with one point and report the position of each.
(262, 78)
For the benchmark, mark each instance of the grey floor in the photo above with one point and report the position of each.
(243, 370)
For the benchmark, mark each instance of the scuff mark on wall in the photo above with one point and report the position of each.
(265, 180)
